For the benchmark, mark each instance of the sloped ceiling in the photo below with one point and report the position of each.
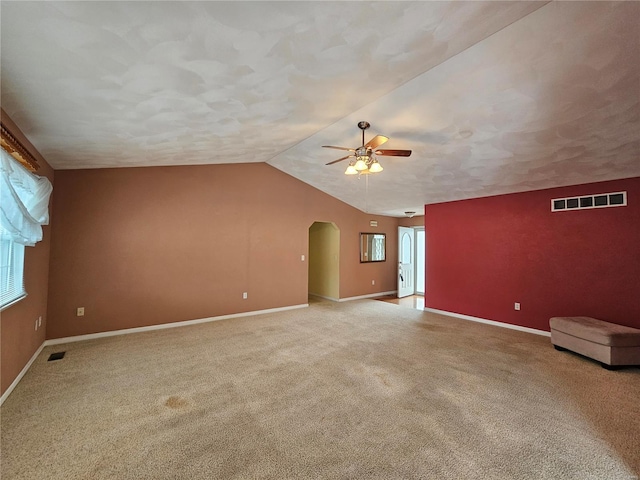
(492, 97)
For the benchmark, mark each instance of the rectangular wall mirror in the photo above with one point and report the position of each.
(373, 247)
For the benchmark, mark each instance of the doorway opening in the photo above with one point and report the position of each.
(324, 260)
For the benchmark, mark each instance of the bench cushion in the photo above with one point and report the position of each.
(597, 331)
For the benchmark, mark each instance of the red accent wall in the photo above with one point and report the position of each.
(485, 254)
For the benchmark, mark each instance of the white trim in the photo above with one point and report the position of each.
(370, 295)
(489, 322)
(91, 336)
(325, 297)
(186, 323)
(21, 374)
(359, 297)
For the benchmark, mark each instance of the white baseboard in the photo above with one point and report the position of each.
(21, 374)
(91, 336)
(113, 333)
(489, 322)
(325, 297)
(370, 295)
(359, 297)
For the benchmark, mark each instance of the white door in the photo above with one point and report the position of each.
(406, 262)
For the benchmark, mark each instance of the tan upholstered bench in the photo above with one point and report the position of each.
(610, 344)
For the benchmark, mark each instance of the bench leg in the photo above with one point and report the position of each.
(559, 348)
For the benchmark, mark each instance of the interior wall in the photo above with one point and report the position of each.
(147, 246)
(416, 221)
(19, 338)
(486, 254)
(324, 260)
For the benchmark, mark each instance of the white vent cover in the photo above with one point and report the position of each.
(601, 200)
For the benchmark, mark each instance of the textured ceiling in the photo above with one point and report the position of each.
(492, 97)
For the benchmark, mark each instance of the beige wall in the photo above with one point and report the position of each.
(147, 246)
(411, 222)
(324, 260)
(18, 337)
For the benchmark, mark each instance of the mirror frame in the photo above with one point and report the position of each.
(364, 246)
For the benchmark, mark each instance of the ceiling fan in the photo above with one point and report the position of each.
(363, 159)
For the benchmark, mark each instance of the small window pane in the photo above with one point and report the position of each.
(600, 200)
(572, 203)
(586, 202)
(559, 204)
(407, 248)
(616, 199)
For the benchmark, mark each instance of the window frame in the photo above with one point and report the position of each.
(12, 255)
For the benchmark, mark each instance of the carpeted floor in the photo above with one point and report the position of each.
(360, 390)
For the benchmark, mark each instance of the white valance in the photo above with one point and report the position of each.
(24, 201)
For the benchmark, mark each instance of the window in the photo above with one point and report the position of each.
(11, 269)
(407, 248)
(24, 208)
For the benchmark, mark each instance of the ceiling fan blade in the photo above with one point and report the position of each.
(339, 148)
(376, 141)
(340, 159)
(393, 153)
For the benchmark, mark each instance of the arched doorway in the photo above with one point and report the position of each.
(324, 260)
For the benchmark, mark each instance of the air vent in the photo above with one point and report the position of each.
(56, 356)
(601, 200)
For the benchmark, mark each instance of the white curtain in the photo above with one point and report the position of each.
(24, 201)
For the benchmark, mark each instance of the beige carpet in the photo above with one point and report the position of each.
(359, 390)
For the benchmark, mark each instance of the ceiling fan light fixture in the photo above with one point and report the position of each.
(361, 164)
(375, 167)
(365, 162)
(351, 170)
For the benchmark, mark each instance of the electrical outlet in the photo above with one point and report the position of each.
(244, 295)
(516, 306)
(80, 312)
(373, 282)
(36, 325)
(302, 258)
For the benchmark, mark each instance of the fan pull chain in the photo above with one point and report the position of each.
(366, 194)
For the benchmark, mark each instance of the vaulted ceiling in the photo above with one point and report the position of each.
(492, 97)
